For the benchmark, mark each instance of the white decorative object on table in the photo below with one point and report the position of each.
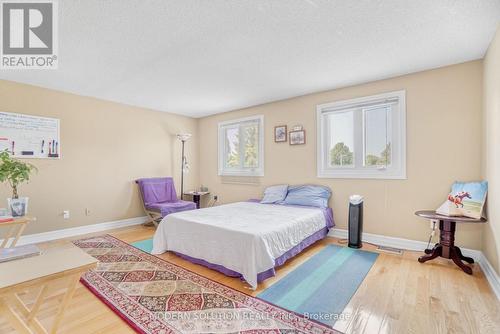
(18, 207)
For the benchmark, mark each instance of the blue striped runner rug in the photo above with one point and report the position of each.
(144, 245)
(321, 287)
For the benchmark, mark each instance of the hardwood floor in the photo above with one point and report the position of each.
(399, 295)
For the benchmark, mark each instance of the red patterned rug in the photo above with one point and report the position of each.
(158, 297)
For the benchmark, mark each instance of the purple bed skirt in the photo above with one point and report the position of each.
(319, 235)
(278, 262)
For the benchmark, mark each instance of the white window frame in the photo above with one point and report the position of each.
(397, 169)
(223, 171)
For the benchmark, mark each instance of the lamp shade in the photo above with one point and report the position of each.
(183, 136)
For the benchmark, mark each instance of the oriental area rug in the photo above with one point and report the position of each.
(158, 297)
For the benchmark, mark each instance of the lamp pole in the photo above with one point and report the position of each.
(182, 170)
(183, 137)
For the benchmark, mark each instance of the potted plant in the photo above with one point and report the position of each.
(15, 172)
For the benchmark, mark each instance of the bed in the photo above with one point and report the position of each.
(243, 239)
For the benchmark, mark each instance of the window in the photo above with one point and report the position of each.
(241, 147)
(363, 137)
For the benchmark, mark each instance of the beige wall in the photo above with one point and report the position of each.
(443, 134)
(105, 147)
(491, 150)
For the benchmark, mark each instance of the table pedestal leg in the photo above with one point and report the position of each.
(465, 258)
(446, 247)
(430, 250)
(456, 258)
(431, 254)
(447, 237)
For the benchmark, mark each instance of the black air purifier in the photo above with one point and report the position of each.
(355, 221)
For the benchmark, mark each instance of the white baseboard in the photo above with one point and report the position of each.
(416, 245)
(80, 230)
(491, 275)
(383, 240)
(478, 256)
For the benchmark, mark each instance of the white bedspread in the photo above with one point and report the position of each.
(245, 237)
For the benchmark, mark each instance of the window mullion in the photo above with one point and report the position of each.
(388, 133)
(225, 146)
(326, 141)
(394, 133)
(228, 148)
(241, 146)
(358, 139)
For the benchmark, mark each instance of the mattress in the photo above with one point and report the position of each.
(244, 237)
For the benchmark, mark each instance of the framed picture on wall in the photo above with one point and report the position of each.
(280, 133)
(297, 137)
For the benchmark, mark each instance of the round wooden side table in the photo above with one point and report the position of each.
(446, 246)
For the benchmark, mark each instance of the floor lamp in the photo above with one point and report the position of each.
(183, 137)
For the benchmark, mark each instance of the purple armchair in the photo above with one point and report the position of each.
(160, 199)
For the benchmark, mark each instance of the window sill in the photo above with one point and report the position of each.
(242, 173)
(241, 180)
(361, 175)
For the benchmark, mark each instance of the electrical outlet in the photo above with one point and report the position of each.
(87, 212)
(433, 224)
(66, 214)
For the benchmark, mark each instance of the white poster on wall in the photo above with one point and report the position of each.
(27, 136)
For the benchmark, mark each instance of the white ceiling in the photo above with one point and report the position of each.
(198, 58)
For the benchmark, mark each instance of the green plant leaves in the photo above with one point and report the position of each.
(14, 171)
